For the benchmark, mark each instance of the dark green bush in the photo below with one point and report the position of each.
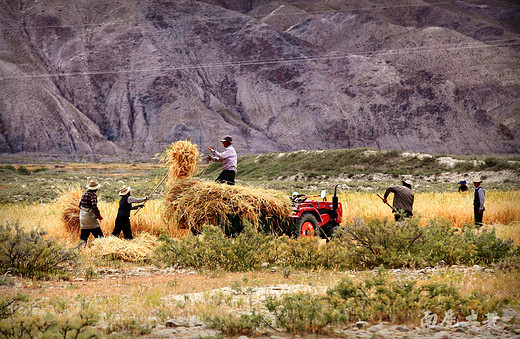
(40, 169)
(488, 247)
(360, 245)
(31, 254)
(24, 170)
(214, 250)
(407, 244)
(8, 168)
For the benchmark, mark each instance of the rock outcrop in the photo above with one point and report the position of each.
(129, 77)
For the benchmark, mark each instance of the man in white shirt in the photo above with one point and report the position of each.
(229, 161)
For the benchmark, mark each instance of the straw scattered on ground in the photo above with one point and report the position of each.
(139, 249)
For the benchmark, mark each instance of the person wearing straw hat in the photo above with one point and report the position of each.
(123, 213)
(229, 161)
(478, 202)
(403, 200)
(462, 186)
(89, 215)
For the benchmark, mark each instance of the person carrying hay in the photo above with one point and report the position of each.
(229, 161)
(123, 213)
(89, 215)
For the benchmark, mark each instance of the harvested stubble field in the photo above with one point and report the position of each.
(127, 292)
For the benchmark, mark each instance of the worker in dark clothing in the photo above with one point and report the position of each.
(463, 187)
(123, 213)
(89, 215)
(403, 200)
(478, 202)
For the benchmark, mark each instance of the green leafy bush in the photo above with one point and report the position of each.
(8, 306)
(488, 247)
(303, 312)
(31, 254)
(407, 244)
(378, 299)
(360, 245)
(235, 325)
(10, 168)
(214, 250)
(308, 253)
(76, 325)
(24, 170)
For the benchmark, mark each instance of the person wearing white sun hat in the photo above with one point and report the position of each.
(229, 161)
(89, 215)
(123, 213)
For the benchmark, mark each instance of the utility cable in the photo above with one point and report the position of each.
(293, 60)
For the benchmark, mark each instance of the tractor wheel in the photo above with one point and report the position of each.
(307, 226)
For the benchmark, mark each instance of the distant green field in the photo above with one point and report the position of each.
(309, 171)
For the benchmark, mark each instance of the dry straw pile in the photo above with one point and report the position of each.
(190, 203)
(68, 204)
(181, 160)
(139, 249)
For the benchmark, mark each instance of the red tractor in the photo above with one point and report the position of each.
(315, 218)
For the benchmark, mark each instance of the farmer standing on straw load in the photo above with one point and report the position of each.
(89, 215)
(228, 159)
(403, 200)
(123, 213)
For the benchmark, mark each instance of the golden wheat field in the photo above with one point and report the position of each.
(502, 212)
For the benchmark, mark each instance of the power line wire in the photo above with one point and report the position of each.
(294, 60)
(243, 16)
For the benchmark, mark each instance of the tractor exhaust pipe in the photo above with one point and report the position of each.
(335, 201)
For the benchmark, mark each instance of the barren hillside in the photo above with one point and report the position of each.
(128, 77)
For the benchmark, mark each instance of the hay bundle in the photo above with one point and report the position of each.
(68, 204)
(181, 160)
(190, 203)
(138, 249)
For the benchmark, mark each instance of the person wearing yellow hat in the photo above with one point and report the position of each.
(478, 202)
(123, 213)
(403, 200)
(89, 215)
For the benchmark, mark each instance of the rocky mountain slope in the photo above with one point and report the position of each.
(129, 77)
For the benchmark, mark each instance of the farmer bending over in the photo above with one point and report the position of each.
(89, 215)
(123, 213)
(403, 199)
(228, 159)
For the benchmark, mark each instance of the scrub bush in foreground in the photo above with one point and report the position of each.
(31, 254)
(377, 298)
(360, 245)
